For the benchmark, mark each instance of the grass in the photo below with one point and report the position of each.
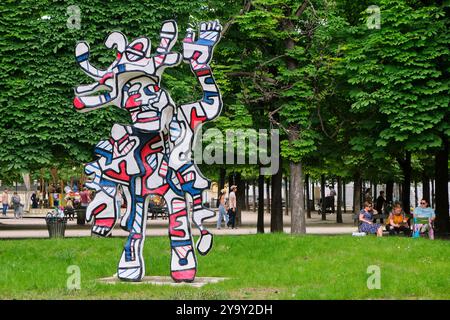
(271, 266)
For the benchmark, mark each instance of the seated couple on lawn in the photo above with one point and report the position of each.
(397, 221)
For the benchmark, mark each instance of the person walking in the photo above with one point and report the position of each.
(222, 210)
(330, 197)
(119, 199)
(5, 201)
(380, 205)
(18, 207)
(232, 207)
(34, 200)
(85, 198)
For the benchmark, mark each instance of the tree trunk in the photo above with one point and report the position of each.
(426, 187)
(313, 197)
(441, 174)
(298, 221)
(344, 197)
(222, 175)
(286, 194)
(375, 196)
(240, 198)
(361, 194)
(389, 191)
(405, 164)
(308, 207)
(260, 222)
(322, 196)
(416, 197)
(276, 218)
(254, 196)
(433, 194)
(356, 196)
(339, 202)
(247, 190)
(268, 194)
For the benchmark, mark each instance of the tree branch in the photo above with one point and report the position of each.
(243, 11)
(251, 75)
(301, 9)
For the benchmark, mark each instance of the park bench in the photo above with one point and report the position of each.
(157, 211)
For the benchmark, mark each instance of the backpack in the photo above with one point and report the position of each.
(15, 200)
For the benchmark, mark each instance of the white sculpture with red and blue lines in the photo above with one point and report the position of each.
(152, 155)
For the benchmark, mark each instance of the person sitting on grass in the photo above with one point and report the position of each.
(366, 217)
(423, 219)
(397, 221)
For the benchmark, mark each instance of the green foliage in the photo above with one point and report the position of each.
(38, 125)
(347, 99)
(399, 73)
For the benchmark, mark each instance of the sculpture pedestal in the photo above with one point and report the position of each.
(165, 280)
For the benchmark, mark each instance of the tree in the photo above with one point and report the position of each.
(399, 75)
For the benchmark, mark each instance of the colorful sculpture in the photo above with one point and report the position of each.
(153, 154)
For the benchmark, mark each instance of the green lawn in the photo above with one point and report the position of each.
(259, 267)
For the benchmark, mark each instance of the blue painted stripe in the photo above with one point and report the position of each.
(204, 42)
(184, 167)
(180, 243)
(107, 155)
(173, 187)
(207, 95)
(107, 183)
(189, 188)
(83, 57)
(209, 80)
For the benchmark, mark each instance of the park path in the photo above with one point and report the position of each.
(33, 226)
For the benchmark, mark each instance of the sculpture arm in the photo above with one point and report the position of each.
(198, 53)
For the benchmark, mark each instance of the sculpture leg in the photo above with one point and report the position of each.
(131, 266)
(193, 183)
(183, 264)
(200, 213)
(124, 222)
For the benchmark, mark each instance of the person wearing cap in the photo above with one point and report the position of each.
(232, 207)
(222, 209)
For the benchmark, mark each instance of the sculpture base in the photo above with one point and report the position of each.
(164, 280)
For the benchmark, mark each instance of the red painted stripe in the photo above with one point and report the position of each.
(107, 222)
(203, 72)
(78, 103)
(99, 209)
(121, 175)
